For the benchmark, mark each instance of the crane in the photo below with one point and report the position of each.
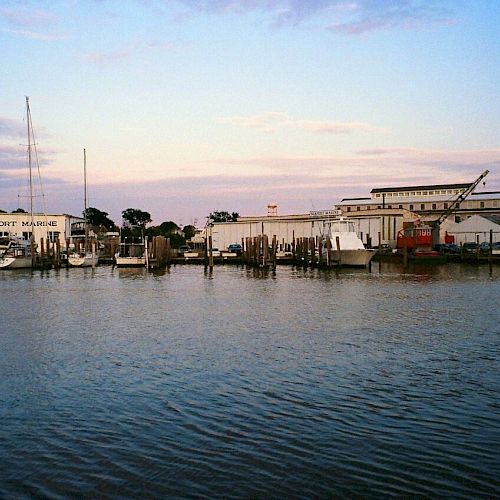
(456, 202)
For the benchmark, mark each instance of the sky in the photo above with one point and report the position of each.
(185, 107)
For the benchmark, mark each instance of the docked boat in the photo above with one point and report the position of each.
(131, 255)
(88, 257)
(15, 253)
(346, 246)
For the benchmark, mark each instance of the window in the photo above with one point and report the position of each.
(413, 193)
(26, 235)
(53, 236)
(434, 206)
(445, 205)
(348, 209)
(411, 207)
(481, 204)
(358, 209)
(422, 206)
(389, 206)
(400, 206)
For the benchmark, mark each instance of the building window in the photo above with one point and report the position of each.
(358, 209)
(481, 204)
(53, 236)
(445, 205)
(434, 206)
(411, 207)
(348, 209)
(389, 206)
(400, 206)
(422, 206)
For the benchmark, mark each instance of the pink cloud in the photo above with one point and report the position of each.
(273, 121)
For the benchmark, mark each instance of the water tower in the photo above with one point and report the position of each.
(272, 210)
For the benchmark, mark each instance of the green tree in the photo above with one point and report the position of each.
(223, 216)
(19, 211)
(189, 231)
(136, 217)
(98, 218)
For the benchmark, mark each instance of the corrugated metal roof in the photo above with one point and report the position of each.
(420, 188)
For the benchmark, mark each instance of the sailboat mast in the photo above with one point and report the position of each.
(85, 198)
(28, 122)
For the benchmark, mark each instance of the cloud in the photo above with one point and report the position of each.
(274, 121)
(25, 16)
(11, 128)
(34, 35)
(106, 57)
(376, 15)
(11, 158)
(340, 16)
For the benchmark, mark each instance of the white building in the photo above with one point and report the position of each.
(49, 227)
(475, 229)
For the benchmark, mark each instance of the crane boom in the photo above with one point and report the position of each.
(461, 197)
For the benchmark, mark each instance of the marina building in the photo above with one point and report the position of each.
(49, 227)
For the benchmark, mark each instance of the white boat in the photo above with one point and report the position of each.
(131, 255)
(15, 254)
(352, 251)
(88, 257)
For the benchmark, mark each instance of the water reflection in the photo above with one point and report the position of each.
(241, 382)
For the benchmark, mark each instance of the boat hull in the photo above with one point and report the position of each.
(89, 260)
(130, 261)
(15, 262)
(354, 258)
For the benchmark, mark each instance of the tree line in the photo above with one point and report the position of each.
(135, 223)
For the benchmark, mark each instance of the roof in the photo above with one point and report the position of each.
(495, 218)
(421, 188)
(355, 199)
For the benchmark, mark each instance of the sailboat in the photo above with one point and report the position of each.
(16, 252)
(88, 257)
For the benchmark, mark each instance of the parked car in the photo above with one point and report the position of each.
(449, 248)
(234, 248)
(484, 247)
(183, 249)
(215, 252)
(470, 247)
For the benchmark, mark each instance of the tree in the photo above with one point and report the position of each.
(19, 211)
(96, 217)
(136, 217)
(223, 216)
(3, 211)
(189, 231)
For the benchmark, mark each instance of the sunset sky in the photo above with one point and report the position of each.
(190, 106)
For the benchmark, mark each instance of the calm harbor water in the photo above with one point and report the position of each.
(242, 383)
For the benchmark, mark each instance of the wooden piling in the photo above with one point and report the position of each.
(337, 242)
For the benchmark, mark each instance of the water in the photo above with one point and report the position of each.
(303, 383)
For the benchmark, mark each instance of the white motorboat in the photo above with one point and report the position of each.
(131, 255)
(345, 240)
